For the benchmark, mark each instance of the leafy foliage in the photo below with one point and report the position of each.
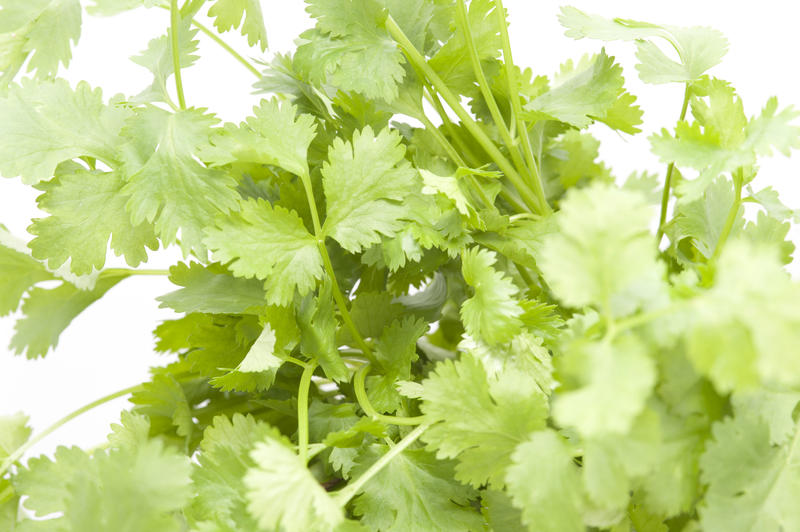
(386, 325)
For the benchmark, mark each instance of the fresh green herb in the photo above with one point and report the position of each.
(465, 326)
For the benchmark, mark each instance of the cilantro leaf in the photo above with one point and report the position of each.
(545, 484)
(365, 183)
(18, 273)
(491, 314)
(268, 243)
(48, 311)
(699, 48)
(483, 417)
(166, 184)
(41, 30)
(317, 322)
(14, 432)
(350, 39)
(227, 14)
(616, 380)
(587, 91)
(603, 254)
(212, 289)
(86, 208)
(751, 483)
(414, 492)
(45, 123)
(282, 493)
(275, 134)
(136, 489)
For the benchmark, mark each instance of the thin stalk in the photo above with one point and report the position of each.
(16, 455)
(302, 412)
(486, 143)
(369, 410)
(662, 219)
(433, 98)
(326, 260)
(214, 37)
(344, 495)
(175, 19)
(483, 84)
(731, 219)
(110, 272)
(298, 362)
(516, 108)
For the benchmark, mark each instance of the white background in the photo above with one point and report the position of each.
(110, 346)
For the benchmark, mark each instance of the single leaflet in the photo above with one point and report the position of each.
(388, 326)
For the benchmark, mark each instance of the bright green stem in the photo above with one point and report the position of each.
(175, 19)
(516, 108)
(326, 260)
(483, 84)
(214, 37)
(733, 213)
(344, 495)
(486, 143)
(366, 406)
(16, 455)
(662, 219)
(112, 272)
(302, 412)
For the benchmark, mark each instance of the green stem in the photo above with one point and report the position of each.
(176, 59)
(369, 410)
(733, 213)
(344, 495)
(662, 219)
(111, 272)
(302, 412)
(433, 98)
(326, 260)
(213, 36)
(298, 362)
(16, 455)
(516, 108)
(486, 143)
(483, 84)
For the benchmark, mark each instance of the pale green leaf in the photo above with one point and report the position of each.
(271, 244)
(212, 289)
(18, 273)
(227, 15)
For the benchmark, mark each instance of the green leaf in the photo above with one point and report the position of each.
(18, 273)
(615, 381)
(48, 311)
(271, 244)
(703, 147)
(40, 29)
(545, 484)
(699, 48)
(491, 314)
(223, 462)
(106, 8)
(213, 290)
(590, 90)
(317, 322)
(350, 40)
(752, 485)
(604, 254)
(275, 135)
(366, 182)
(125, 489)
(282, 493)
(166, 185)
(415, 491)
(14, 432)
(395, 351)
(483, 417)
(227, 15)
(86, 208)
(163, 401)
(45, 123)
